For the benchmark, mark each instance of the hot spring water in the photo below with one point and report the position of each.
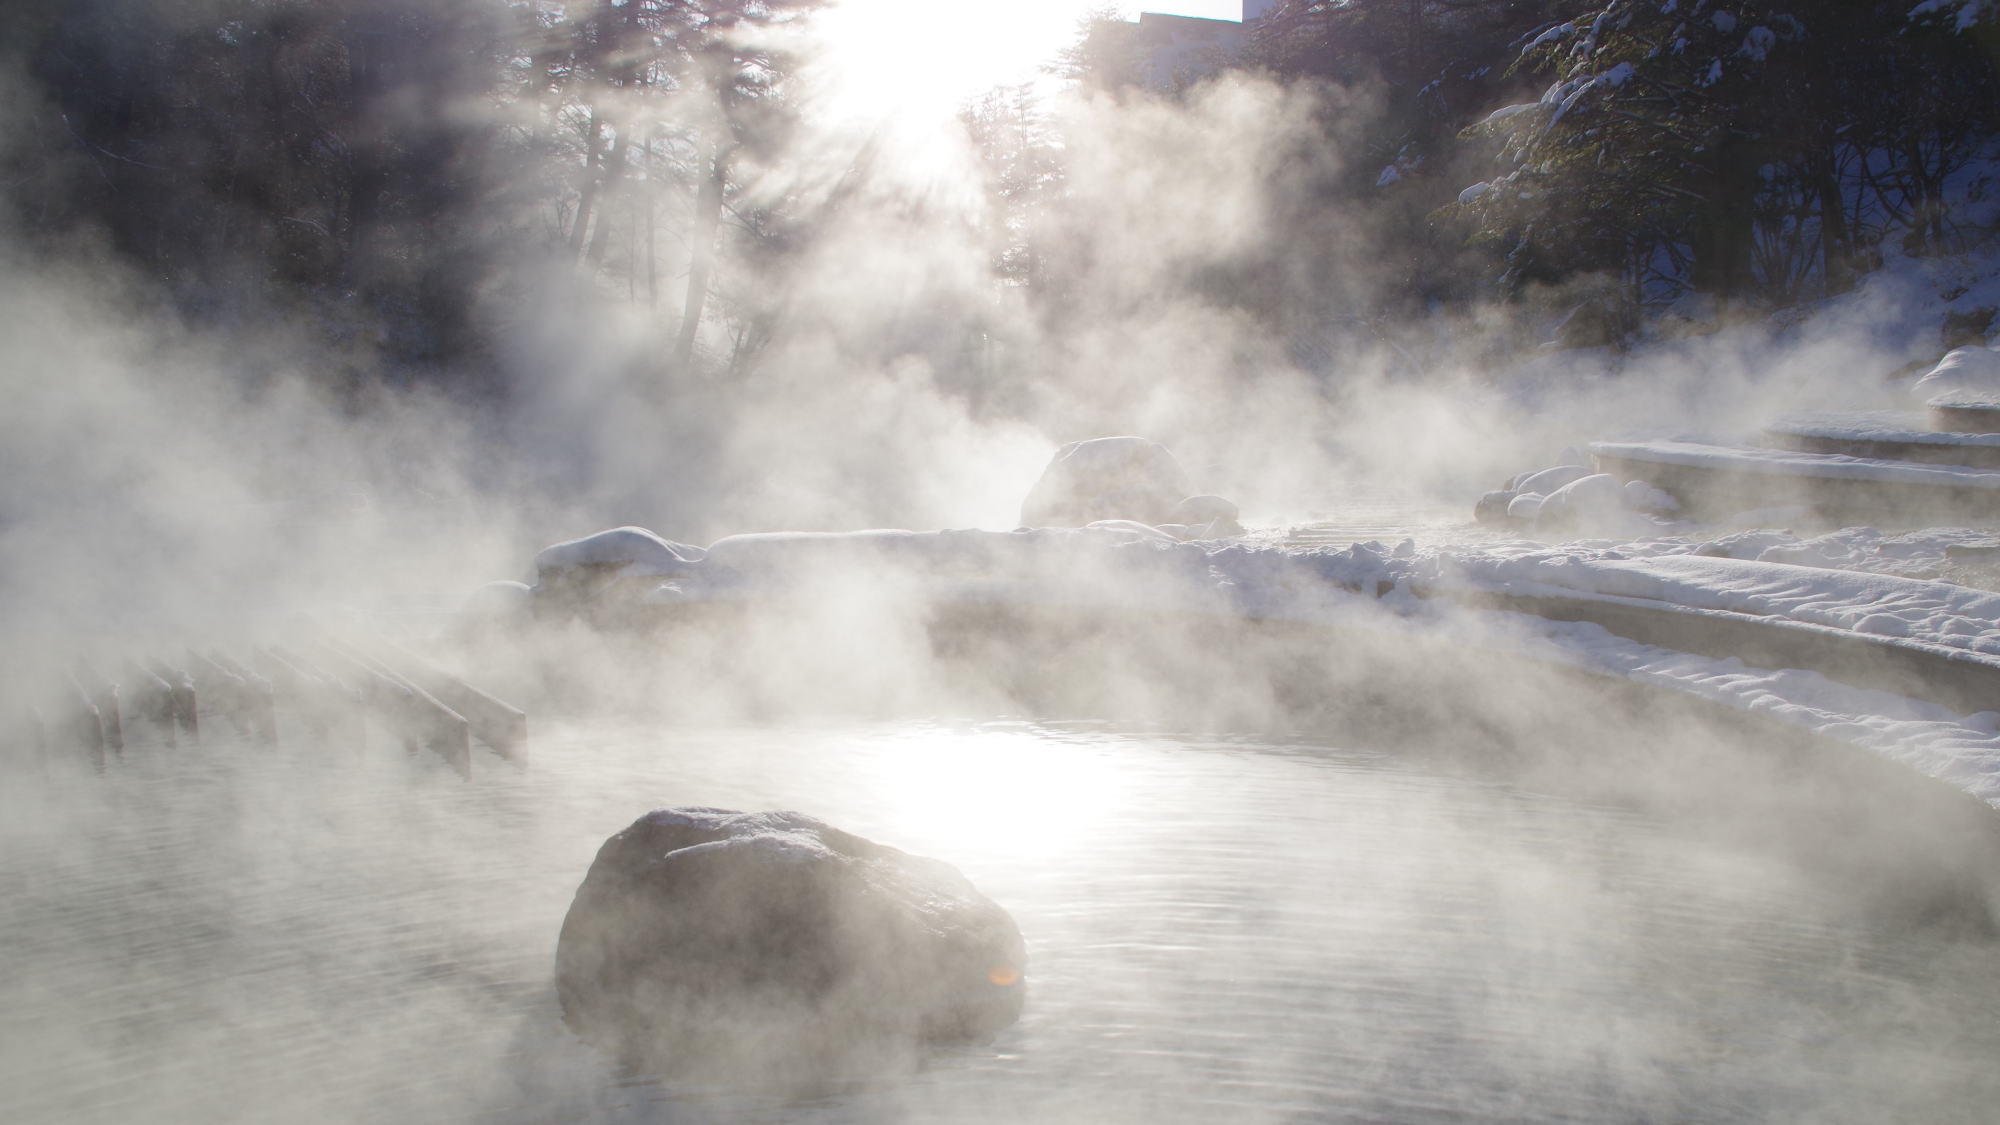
(1233, 930)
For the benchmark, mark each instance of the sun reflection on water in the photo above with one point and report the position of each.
(1011, 792)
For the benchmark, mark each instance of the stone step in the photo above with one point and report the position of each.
(1883, 436)
(1714, 481)
(1965, 417)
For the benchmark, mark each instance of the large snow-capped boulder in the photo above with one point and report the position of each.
(1548, 480)
(1108, 478)
(1598, 496)
(1492, 507)
(1571, 497)
(1963, 374)
(774, 948)
(579, 572)
(623, 552)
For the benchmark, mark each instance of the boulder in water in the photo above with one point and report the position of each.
(776, 949)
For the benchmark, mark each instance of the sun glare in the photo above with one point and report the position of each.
(902, 57)
(999, 792)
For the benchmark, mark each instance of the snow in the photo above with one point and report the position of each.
(1917, 554)
(1389, 176)
(1548, 480)
(1596, 496)
(1474, 192)
(1550, 36)
(1784, 462)
(1968, 11)
(1643, 497)
(1935, 613)
(1725, 22)
(1507, 111)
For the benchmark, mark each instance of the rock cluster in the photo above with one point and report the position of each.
(1567, 497)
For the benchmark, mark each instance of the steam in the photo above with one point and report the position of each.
(165, 484)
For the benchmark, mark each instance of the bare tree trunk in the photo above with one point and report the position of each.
(701, 265)
(588, 201)
(608, 188)
(1834, 240)
(652, 241)
(1723, 260)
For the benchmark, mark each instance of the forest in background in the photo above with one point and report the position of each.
(408, 183)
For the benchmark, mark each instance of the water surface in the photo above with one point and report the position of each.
(1241, 930)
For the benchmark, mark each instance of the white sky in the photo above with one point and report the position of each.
(895, 57)
(1207, 9)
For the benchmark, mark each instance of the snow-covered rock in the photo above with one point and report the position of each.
(1643, 497)
(1964, 373)
(621, 552)
(1208, 517)
(776, 948)
(1107, 478)
(1492, 507)
(1586, 499)
(1548, 480)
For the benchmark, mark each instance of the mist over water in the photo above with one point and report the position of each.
(1273, 930)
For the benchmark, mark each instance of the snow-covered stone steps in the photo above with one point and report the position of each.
(1924, 640)
(1884, 436)
(1713, 481)
(1967, 682)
